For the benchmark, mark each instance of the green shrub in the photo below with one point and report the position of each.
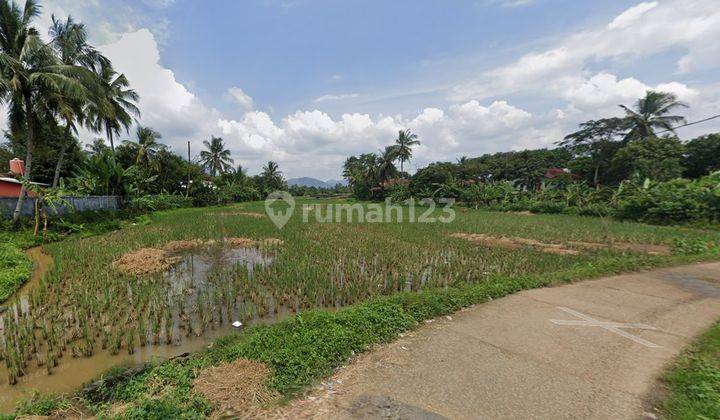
(675, 201)
(595, 209)
(157, 202)
(15, 269)
(548, 207)
(41, 405)
(235, 193)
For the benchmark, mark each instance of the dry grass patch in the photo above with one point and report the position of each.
(235, 387)
(571, 248)
(177, 246)
(510, 242)
(145, 261)
(240, 242)
(523, 213)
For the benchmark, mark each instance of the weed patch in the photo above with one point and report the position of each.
(15, 269)
(693, 382)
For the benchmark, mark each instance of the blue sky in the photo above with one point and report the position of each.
(309, 82)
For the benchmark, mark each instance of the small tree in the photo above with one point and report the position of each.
(659, 159)
(45, 198)
(403, 146)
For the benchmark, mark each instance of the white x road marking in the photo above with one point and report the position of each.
(614, 327)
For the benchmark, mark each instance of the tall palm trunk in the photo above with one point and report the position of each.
(61, 157)
(112, 146)
(30, 142)
(596, 176)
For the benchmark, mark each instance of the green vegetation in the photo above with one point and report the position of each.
(388, 277)
(15, 269)
(693, 382)
(678, 201)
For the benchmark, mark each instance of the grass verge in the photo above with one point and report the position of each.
(693, 382)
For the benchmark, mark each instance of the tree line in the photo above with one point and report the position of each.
(604, 152)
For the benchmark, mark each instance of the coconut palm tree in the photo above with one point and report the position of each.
(69, 40)
(34, 83)
(114, 107)
(405, 141)
(97, 147)
(146, 147)
(651, 113)
(271, 176)
(271, 170)
(216, 159)
(385, 168)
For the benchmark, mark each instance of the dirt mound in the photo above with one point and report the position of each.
(145, 261)
(571, 248)
(234, 388)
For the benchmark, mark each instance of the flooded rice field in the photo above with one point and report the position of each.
(56, 345)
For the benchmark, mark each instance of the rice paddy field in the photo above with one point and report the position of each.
(175, 284)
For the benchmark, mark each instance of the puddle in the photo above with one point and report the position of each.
(198, 276)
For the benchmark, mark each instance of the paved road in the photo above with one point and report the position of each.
(593, 349)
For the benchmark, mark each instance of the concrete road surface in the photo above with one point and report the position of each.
(592, 349)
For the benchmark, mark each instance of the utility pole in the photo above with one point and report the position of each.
(187, 192)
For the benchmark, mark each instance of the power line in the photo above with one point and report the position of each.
(692, 123)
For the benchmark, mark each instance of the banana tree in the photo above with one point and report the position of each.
(45, 198)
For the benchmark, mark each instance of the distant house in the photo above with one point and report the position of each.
(554, 173)
(392, 182)
(11, 186)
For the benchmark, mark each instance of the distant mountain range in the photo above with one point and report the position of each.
(314, 182)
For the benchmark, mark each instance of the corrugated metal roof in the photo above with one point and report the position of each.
(15, 181)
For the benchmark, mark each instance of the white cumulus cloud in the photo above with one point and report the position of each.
(242, 98)
(631, 15)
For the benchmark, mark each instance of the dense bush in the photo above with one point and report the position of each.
(674, 201)
(236, 192)
(160, 202)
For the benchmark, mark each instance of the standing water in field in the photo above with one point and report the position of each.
(179, 311)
